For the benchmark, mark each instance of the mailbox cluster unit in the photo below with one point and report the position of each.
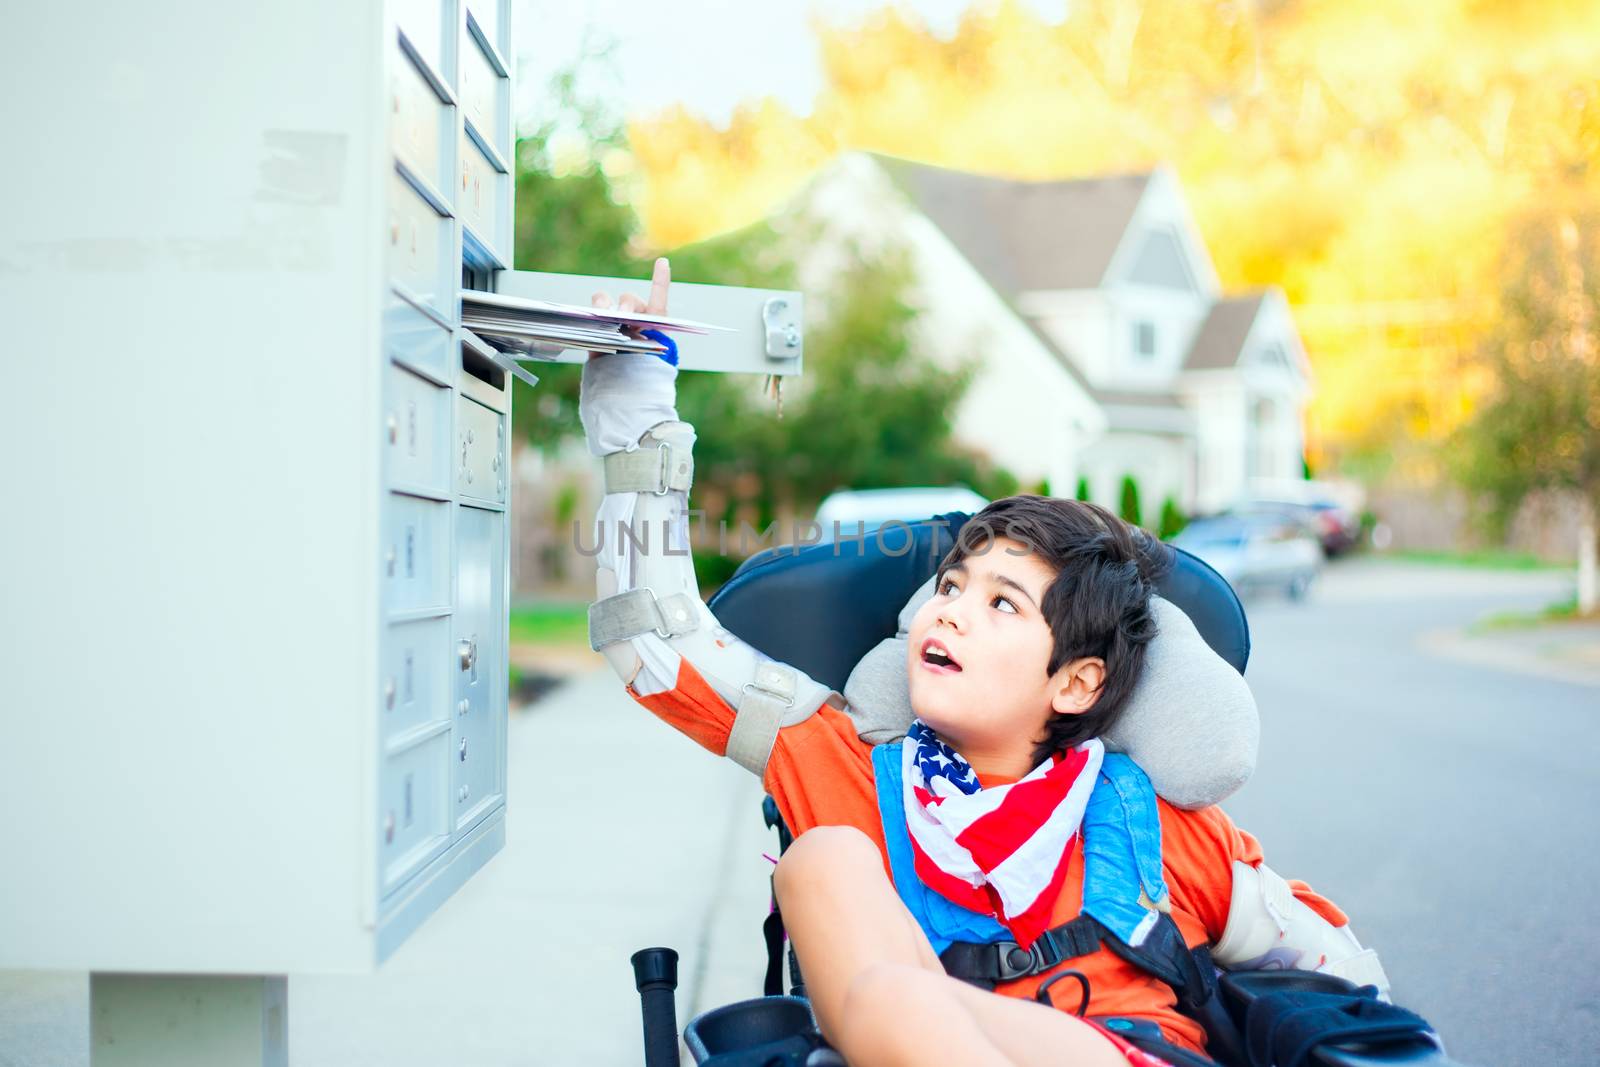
(255, 573)
(272, 721)
(446, 400)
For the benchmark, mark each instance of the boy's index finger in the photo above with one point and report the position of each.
(660, 281)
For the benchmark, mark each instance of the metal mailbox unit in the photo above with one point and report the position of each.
(256, 564)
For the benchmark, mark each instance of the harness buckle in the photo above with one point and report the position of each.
(1012, 961)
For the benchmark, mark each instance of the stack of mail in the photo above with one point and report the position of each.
(541, 329)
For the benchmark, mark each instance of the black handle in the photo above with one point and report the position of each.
(655, 976)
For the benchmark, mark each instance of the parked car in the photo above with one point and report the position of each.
(1335, 528)
(1256, 551)
(874, 507)
(1329, 510)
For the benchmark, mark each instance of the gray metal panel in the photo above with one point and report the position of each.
(417, 338)
(415, 433)
(417, 677)
(420, 124)
(413, 805)
(483, 199)
(414, 553)
(421, 248)
(478, 753)
(480, 452)
(422, 896)
(427, 27)
(492, 22)
(748, 312)
(484, 93)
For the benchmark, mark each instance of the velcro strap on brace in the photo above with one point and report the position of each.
(762, 705)
(656, 470)
(627, 615)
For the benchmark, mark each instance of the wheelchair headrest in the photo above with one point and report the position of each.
(823, 607)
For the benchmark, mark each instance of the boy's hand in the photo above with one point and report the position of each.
(660, 282)
(626, 393)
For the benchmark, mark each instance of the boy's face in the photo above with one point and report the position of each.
(978, 657)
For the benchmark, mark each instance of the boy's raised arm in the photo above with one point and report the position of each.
(648, 616)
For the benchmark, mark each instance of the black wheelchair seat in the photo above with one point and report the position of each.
(823, 607)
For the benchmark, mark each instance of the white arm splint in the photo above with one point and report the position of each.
(649, 615)
(1269, 928)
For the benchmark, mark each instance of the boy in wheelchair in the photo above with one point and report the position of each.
(999, 847)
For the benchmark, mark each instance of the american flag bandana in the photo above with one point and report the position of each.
(1001, 851)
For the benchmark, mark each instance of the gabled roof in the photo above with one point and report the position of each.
(1021, 235)
(1221, 337)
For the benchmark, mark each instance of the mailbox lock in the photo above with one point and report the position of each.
(463, 750)
(462, 708)
(388, 561)
(468, 649)
(388, 828)
(393, 425)
(388, 693)
(462, 794)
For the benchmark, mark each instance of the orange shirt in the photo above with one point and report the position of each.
(820, 774)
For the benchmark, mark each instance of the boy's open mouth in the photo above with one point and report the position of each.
(937, 657)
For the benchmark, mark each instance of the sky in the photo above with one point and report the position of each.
(709, 55)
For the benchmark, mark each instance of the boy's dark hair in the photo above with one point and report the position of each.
(1097, 605)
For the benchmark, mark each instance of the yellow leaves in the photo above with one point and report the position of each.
(1365, 155)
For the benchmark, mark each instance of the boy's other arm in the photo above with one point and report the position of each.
(648, 619)
(1252, 916)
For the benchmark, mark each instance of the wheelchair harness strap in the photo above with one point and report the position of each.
(1163, 953)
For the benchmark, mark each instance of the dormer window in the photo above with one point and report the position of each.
(1144, 339)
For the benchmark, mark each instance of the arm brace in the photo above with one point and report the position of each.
(643, 540)
(1269, 928)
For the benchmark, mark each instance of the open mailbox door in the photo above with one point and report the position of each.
(765, 327)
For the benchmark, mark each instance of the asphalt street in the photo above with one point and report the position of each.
(1443, 791)
(1449, 806)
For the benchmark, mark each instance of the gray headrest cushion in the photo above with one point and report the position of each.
(1191, 721)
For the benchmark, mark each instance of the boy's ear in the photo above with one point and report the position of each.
(1076, 686)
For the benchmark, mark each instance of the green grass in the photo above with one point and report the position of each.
(550, 624)
(1499, 559)
(1560, 611)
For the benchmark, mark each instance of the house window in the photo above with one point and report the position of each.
(1144, 338)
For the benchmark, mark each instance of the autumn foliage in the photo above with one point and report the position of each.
(1370, 157)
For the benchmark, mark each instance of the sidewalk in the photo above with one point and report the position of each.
(620, 834)
(1563, 651)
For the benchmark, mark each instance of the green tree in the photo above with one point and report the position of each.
(1128, 507)
(570, 219)
(1082, 490)
(1539, 429)
(1173, 519)
(870, 411)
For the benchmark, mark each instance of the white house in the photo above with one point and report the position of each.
(1106, 346)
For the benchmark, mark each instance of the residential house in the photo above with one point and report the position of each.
(1106, 348)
